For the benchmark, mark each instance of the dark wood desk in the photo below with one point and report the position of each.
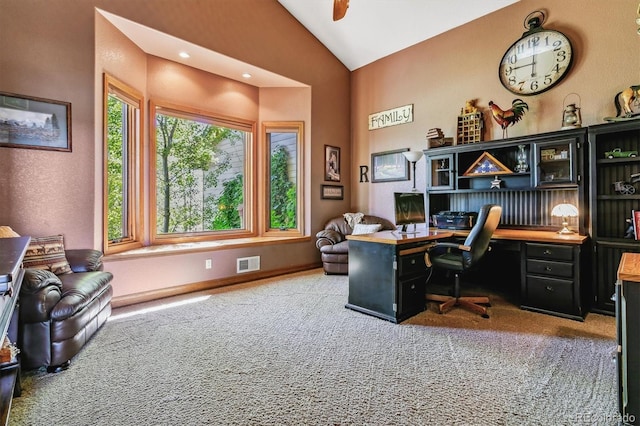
(12, 252)
(551, 278)
(387, 272)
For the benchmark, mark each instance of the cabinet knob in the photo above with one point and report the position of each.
(547, 251)
(548, 269)
(413, 261)
(549, 288)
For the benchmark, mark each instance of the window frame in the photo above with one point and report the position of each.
(250, 208)
(283, 127)
(134, 165)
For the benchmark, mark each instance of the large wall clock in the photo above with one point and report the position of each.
(537, 61)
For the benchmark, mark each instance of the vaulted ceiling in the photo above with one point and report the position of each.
(370, 30)
(373, 29)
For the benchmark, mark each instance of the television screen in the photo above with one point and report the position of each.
(409, 208)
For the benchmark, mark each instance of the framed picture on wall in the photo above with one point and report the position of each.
(332, 192)
(389, 166)
(331, 163)
(36, 123)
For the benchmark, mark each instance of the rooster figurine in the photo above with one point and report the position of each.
(509, 117)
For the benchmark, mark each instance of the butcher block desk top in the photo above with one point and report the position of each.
(395, 237)
(629, 267)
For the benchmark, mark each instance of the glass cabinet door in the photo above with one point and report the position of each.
(555, 163)
(440, 171)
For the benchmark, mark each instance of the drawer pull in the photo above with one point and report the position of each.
(548, 269)
(413, 261)
(549, 288)
(547, 251)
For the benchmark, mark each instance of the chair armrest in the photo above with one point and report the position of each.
(328, 236)
(456, 246)
(84, 260)
(41, 290)
(439, 246)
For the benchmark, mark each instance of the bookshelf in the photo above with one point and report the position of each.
(614, 195)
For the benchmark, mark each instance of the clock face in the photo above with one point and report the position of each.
(536, 62)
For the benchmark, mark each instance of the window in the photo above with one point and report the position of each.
(284, 145)
(202, 174)
(122, 152)
(202, 181)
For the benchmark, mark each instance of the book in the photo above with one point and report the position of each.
(635, 218)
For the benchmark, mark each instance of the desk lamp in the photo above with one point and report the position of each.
(565, 211)
(413, 157)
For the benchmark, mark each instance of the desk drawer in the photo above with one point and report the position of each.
(550, 293)
(548, 267)
(411, 297)
(549, 251)
(412, 264)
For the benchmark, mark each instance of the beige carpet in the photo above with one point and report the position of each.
(285, 351)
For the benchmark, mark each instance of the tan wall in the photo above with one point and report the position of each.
(438, 75)
(50, 52)
(57, 50)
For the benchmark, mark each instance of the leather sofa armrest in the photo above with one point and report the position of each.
(84, 260)
(81, 289)
(40, 292)
(328, 236)
(36, 279)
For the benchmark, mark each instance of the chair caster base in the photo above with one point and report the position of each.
(472, 304)
(58, 368)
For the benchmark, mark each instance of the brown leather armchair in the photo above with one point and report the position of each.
(333, 244)
(60, 313)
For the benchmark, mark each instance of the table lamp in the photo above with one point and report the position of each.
(565, 211)
(413, 157)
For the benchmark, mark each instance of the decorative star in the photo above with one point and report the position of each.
(496, 183)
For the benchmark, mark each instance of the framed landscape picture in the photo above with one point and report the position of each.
(36, 123)
(389, 166)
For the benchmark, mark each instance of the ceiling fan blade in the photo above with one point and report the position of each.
(340, 9)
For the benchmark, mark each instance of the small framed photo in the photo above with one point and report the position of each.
(331, 163)
(36, 123)
(389, 166)
(332, 192)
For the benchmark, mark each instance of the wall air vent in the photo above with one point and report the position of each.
(248, 264)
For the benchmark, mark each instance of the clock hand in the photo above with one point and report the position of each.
(533, 66)
(523, 66)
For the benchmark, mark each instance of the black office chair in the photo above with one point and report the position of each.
(459, 258)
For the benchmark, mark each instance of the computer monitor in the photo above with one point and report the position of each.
(409, 209)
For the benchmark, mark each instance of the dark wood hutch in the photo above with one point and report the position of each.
(528, 176)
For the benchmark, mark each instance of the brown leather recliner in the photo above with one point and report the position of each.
(334, 247)
(60, 313)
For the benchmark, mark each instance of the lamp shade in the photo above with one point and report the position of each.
(565, 210)
(412, 156)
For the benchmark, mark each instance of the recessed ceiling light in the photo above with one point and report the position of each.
(246, 75)
(184, 55)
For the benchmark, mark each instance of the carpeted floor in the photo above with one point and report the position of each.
(285, 351)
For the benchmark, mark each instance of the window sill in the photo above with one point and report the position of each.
(202, 246)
